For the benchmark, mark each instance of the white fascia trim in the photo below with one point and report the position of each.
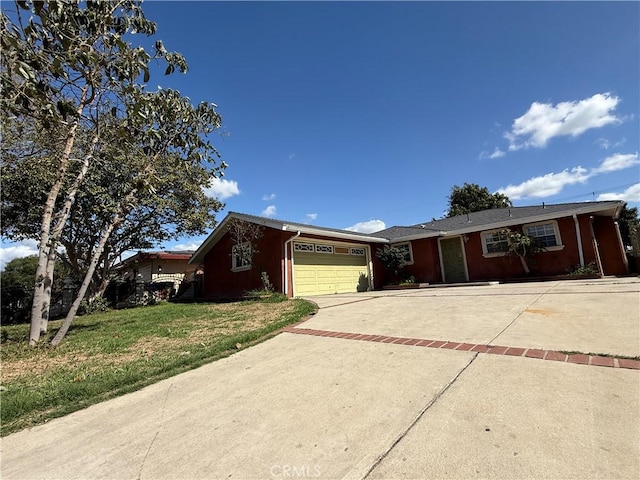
(418, 236)
(528, 220)
(325, 233)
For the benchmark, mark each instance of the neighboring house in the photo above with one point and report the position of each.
(308, 260)
(158, 267)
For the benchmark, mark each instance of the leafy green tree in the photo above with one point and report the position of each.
(17, 286)
(522, 246)
(70, 73)
(393, 258)
(629, 223)
(474, 198)
(19, 272)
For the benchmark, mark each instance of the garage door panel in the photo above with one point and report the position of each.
(321, 274)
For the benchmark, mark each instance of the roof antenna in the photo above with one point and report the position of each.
(509, 212)
(468, 219)
(543, 205)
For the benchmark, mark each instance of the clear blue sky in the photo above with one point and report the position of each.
(340, 113)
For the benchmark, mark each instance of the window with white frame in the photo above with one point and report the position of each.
(324, 248)
(241, 257)
(303, 247)
(408, 251)
(494, 242)
(546, 233)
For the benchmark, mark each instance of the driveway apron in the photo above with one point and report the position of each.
(358, 392)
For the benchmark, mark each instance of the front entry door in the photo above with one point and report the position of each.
(453, 261)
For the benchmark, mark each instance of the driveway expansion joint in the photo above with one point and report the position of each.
(613, 361)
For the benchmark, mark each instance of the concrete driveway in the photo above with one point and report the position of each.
(407, 394)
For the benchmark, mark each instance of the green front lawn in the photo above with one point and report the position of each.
(108, 354)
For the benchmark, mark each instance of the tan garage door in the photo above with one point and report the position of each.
(320, 273)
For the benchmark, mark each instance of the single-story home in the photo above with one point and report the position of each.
(158, 267)
(301, 259)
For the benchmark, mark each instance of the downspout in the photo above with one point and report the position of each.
(286, 265)
(579, 239)
(595, 247)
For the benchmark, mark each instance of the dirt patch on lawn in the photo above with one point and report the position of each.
(225, 320)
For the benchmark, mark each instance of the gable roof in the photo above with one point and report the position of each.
(498, 218)
(473, 222)
(292, 227)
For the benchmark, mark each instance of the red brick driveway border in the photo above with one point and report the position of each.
(572, 357)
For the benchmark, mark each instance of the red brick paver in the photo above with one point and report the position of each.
(627, 363)
(480, 348)
(556, 356)
(578, 358)
(602, 361)
(497, 350)
(515, 352)
(536, 353)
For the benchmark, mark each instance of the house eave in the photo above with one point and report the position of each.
(610, 210)
(324, 233)
(220, 230)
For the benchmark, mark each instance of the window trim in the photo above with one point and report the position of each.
(485, 250)
(559, 245)
(326, 249)
(303, 247)
(234, 266)
(410, 248)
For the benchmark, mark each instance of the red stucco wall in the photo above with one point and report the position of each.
(426, 267)
(550, 263)
(611, 251)
(221, 282)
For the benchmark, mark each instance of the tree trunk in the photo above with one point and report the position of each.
(524, 264)
(40, 308)
(95, 258)
(103, 286)
(61, 220)
(46, 294)
(43, 280)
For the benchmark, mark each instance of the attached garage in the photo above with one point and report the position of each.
(324, 268)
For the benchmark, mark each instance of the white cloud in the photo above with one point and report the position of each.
(631, 194)
(497, 153)
(222, 189)
(619, 161)
(544, 121)
(367, 227)
(553, 183)
(607, 144)
(269, 197)
(311, 216)
(17, 250)
(270, 211)
(546, 185)
(185, 246)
